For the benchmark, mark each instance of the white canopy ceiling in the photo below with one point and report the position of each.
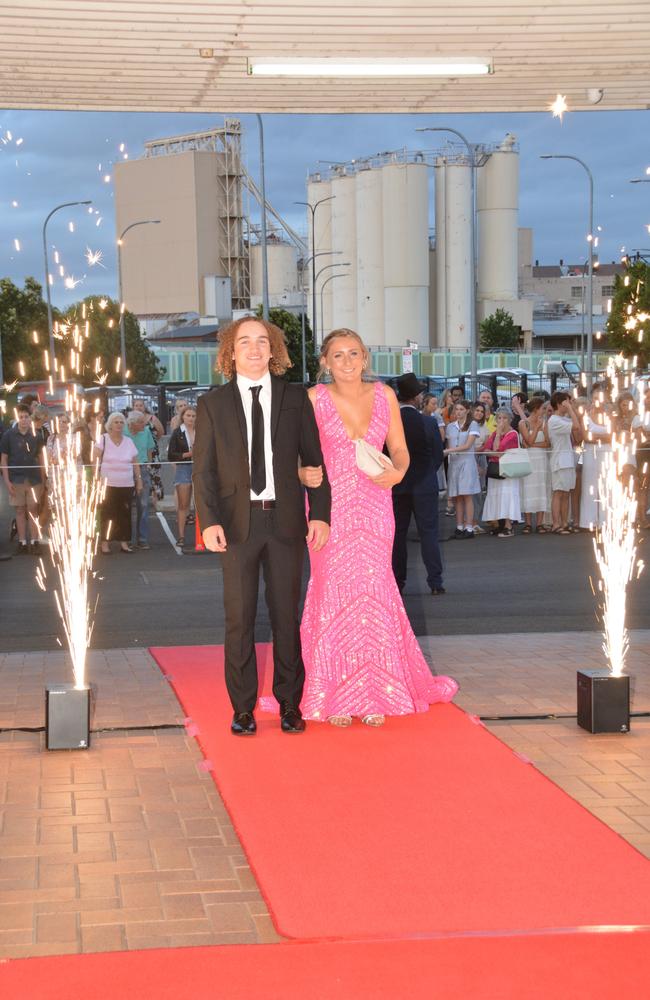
(143, 55)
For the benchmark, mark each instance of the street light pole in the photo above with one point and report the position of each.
(50, 325)
(471, 152)
(590, 238)
(321, 253)
(312, 209)
(143, 222)
(338, 263)
(265, 262)
(322, 289)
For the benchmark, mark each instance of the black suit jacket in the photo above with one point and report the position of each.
(221, 473)
(425, 449)
(178, 446)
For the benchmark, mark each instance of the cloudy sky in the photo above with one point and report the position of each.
(65, 156)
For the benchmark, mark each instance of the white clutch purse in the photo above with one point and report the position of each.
(515, 463)
(368, 458)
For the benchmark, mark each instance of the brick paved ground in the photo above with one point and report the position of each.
(530, 674)
(129, 688)
(128, 844)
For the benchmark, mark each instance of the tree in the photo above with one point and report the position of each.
(101, 348)
(498, 331)
(291, 326)
(630, 302)
(23, 330)
(24, 337)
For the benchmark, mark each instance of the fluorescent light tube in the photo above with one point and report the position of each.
(460, 66)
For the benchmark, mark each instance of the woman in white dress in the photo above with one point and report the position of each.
(536, 488)
(502, 503)
(596, 446)
(462, 477)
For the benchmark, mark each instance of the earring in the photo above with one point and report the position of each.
(328, 371)
(365, 365)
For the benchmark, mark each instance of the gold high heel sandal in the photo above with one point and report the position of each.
(374, 720)
(342, 721)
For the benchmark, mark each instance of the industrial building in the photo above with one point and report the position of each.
(394, 278)
(390, 247)
(203, 259)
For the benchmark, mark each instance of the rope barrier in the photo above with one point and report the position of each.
(577, 449)
(92, 465)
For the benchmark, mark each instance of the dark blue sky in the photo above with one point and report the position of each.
(59, 157)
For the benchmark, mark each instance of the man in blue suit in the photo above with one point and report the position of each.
(417, 494)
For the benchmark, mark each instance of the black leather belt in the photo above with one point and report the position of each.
(263, 504)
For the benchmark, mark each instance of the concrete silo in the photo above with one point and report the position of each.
(316, 191)
(405, 199)
(440, 201)
(282, 265)
(370, 257)
(344, 240)
(454, 266)
(497, 205)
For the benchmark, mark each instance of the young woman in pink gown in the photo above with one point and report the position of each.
(361, 656)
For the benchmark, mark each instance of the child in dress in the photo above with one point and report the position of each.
(462, 478)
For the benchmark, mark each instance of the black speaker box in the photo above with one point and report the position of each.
(603, 702)
(67, 717)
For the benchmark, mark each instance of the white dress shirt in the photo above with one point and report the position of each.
(244, 385)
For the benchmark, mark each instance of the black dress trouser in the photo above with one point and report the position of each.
(424, 507)
(281, 561)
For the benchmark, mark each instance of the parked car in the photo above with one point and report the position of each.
(506, 380)
(192, 393)
(567, 373)
(435, 384)
(56, 399)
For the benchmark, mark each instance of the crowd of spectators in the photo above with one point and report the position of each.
(122, 448)
(566, 439)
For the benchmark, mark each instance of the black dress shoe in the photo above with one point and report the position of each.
(291, 721)
(243, 724)
(436, 591)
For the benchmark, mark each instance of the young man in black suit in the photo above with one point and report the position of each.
(250, 435)
(417, 493)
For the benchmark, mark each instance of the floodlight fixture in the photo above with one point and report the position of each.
(333, 67)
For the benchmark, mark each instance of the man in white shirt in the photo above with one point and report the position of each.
(251, 435)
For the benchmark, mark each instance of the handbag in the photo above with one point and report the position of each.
(515, 464)
(493, 470)
(368, 458)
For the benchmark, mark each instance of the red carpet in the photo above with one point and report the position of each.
(593, 966)
(425, 826)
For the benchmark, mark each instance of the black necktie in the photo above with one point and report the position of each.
(258, 464)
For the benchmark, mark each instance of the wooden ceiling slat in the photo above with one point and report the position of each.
(221, 93)
(201, 35)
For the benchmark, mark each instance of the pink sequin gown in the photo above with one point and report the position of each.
(361, 656)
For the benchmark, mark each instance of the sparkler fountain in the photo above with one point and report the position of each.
(74, 497)
(604, 695)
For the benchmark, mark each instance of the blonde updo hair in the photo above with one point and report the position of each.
(342, 331)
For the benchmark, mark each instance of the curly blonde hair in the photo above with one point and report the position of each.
(280, 359)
